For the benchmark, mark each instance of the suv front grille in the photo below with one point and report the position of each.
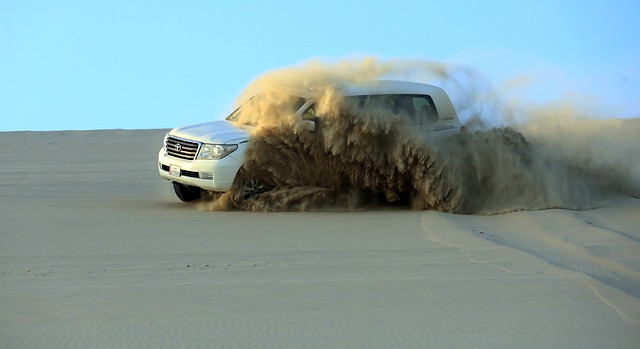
(182, 148)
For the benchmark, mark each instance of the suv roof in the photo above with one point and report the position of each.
(380, 87)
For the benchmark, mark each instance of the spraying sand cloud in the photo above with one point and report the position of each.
(551, 158)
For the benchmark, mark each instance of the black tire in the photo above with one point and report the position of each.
(187, 193)
(245, 187)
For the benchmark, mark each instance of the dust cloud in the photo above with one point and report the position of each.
(553, 156)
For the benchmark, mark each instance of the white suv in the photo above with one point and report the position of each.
(209, 156)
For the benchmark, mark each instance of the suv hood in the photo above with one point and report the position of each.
(215, 132)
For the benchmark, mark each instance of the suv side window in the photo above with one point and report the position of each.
(425, 110)
(310, 113)
(415, 109)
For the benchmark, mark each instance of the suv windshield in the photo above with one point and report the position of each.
(266, 106)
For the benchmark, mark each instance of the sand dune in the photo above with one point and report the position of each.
(96, 252)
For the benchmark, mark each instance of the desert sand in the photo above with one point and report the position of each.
(96, 252)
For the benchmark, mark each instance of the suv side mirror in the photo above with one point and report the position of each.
(309, 125)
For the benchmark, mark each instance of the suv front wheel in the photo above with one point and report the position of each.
(187, 193)
(246, 186)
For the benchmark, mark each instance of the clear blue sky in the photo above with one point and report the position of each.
(158, 64)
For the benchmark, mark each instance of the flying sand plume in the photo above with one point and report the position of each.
(373, 160)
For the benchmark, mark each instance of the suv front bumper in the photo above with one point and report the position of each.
(211, 175)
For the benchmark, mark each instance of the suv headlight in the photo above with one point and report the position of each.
(216, 151)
